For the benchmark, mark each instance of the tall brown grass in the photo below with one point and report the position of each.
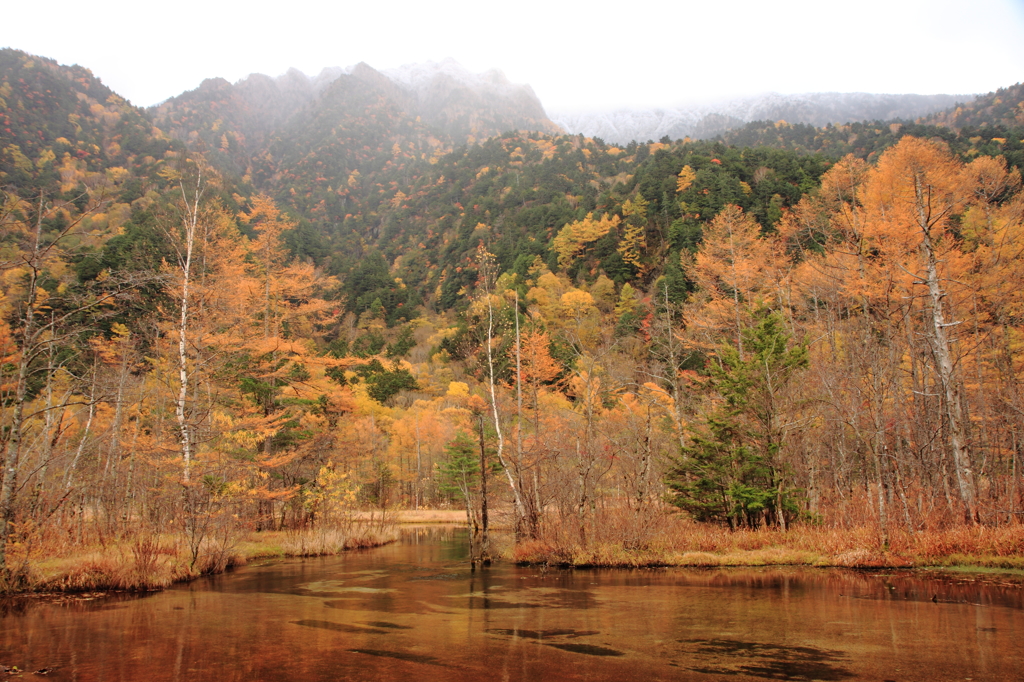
(153, 561)
(678, 541)
(143, 564)
(457, 516)
(327, 540)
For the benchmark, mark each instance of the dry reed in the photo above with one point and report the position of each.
(325, 541)
(152, 562)
(678, 541)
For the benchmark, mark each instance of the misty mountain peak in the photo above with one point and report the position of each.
(213, 85)
(419, 77)
(293, 78)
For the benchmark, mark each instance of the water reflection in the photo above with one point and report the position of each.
(772, 661)
(416, 610)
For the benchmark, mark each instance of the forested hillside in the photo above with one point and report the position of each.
(220, 318)
(1003, 108)
(61, 127)
(991, 125)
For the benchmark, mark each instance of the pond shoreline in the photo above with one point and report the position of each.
(771, 557)
(1008, 577)
(681, 542)
(415, 609)
(153, 563)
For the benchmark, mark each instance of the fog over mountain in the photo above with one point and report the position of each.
(708, 120)
(471, 106)
(444, 95)
(449, 96)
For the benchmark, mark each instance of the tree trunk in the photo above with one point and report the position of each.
(190, 223)
(485, 544)
(9, 488)
(517, 497)
(945, 366)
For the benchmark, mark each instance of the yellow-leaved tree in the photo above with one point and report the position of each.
(634, 241)
(574, 237)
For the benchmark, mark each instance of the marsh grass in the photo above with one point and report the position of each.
(334, 539)
(153, 561)
(143, 564)
(681, 542)
(457, 516)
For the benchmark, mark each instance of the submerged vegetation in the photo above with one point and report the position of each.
(685, 352)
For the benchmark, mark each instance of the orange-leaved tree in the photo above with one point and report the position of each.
(736, 269)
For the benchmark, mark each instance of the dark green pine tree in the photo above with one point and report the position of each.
(460, 471)
(734, 471)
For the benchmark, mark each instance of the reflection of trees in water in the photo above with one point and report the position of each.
(414, 609)
(771, 661)
(906, 585)
(432, 533)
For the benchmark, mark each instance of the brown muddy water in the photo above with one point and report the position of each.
(414, 611)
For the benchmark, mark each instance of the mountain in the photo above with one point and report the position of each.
(1004, 107)
(465, 104)
(272, 339)
(329, 154)
(389, 163)
(233, 122)
(990, 125)
(704, 121)
(61, 125)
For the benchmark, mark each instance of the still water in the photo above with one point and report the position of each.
(414, 611)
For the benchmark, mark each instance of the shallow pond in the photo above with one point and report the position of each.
(414, 610)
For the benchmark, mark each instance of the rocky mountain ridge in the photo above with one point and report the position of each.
(708, 120)
(444, 96)
(468, 107)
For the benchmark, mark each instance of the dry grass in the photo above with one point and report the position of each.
(615, 556)
(328, 541)
(983, 546)
(144, 564)
(680, 542)
(152, 562)
(422, 515)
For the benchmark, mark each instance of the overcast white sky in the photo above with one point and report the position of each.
(576, 55)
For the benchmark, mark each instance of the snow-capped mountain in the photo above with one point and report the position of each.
(819, 109)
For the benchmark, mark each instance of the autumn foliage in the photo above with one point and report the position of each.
(753, 338)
